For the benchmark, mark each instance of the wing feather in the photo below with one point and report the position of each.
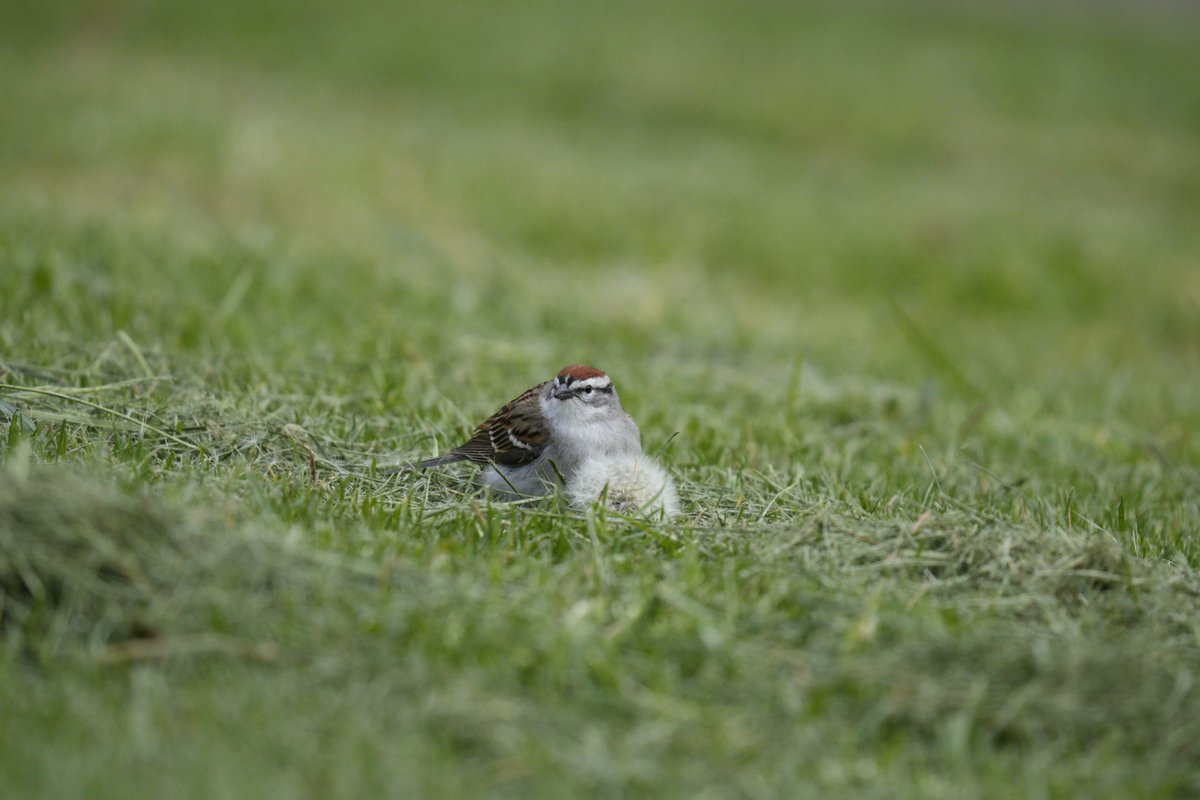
(514, 436)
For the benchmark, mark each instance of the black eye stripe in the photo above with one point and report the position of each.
(577, 390)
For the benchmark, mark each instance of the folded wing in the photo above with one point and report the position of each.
(512, 437)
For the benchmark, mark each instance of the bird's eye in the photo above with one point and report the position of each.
(587, 390)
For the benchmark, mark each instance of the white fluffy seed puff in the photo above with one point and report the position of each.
(630, 483)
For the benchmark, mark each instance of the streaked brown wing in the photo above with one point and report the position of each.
(513, 436)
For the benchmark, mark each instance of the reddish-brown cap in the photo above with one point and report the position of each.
(579, 372)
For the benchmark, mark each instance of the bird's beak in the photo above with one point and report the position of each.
(562, 392)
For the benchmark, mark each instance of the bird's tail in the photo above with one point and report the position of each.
(447, 458)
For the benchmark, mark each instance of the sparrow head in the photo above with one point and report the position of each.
(583, 385)
(584, 415)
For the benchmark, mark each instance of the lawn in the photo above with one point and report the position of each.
(905, 296)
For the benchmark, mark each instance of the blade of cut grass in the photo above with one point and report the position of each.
(106, 410)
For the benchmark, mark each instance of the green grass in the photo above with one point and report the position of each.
(918, 287)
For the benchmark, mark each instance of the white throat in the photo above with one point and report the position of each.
(578, 430)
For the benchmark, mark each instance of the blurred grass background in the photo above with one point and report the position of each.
(918, 284)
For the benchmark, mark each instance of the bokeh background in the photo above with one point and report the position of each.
(629, 179)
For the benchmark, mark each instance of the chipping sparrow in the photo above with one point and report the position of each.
(542, 437)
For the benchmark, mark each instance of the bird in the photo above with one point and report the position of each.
(538, 440)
